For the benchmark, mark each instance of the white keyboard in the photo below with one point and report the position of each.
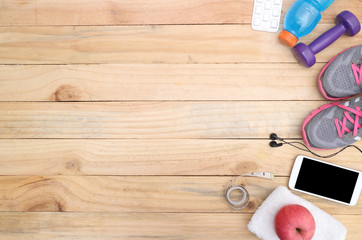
(266, 15)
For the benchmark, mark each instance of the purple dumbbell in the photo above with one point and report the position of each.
(347, 23)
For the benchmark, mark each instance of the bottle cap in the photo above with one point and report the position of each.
(287, 38)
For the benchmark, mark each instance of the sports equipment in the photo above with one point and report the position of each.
(342, 76)
(334, 125)
(347, 23)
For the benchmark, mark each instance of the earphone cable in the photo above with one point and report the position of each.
(306, 149)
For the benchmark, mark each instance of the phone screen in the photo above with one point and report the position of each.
(326, 180)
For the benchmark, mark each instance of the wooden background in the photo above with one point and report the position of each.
(126, 119)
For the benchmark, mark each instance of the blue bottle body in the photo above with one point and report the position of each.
(304, 15)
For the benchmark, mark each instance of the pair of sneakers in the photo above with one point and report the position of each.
(337, 124)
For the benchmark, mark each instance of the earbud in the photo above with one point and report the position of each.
(275, 144)
(274, 136)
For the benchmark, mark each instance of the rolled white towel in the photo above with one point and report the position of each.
(262, 222)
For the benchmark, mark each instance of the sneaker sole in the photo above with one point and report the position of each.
(321, 75)
(310, 116)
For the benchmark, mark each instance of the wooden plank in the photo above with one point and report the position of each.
(158, 82)
(18, 12)
(122, 12)
(113, 226)
(152, 157)
(152, 44)
(83, 12)
(211, 119)
(138, 194)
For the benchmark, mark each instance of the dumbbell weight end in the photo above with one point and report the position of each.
(304, 55)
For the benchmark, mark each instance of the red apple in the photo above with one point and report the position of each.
(294, 222)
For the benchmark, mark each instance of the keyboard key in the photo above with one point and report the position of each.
(274, 23)
(275, 12)
(266, 17)
(268, 5)
(257, 21)
(259, 9)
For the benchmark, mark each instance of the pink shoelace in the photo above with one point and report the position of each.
(341, 124)
(357, 72)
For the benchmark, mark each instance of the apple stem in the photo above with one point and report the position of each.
(298, 230)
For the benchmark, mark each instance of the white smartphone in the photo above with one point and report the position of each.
(326, 180)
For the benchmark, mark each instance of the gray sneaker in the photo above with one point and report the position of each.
(341, 78)
(334, 125)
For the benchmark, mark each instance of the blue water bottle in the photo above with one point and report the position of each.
(301, 19)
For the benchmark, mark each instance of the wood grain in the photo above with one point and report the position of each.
(112, 82)
(114, 226)
(123, 12)
(211, 119)
(163, 12)
(152, 157)
(126, 119)
(138, 194)
(18, 12)
(152, 44)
